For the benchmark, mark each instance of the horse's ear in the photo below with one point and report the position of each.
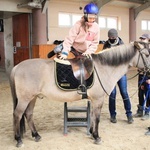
(138, 45)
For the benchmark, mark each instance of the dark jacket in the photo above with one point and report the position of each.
(107, 45)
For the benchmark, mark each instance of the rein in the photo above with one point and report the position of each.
(146, 69)
(102, 84)
(134, 76)
(100, 81)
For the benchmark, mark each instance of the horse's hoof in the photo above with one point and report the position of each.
(38, 138)
(97, 141)
(19, 144)
(147, 133)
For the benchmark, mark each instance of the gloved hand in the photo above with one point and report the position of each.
(62, 56)
(58, 48)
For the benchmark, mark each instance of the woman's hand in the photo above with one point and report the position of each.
(142, 87)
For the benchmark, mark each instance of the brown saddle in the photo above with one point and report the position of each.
(82, 67)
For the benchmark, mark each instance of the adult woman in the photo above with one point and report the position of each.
(114, 40)
(141, 90)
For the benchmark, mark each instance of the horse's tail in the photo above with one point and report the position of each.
(15, 102)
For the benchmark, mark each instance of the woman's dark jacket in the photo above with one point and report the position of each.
(107, 45)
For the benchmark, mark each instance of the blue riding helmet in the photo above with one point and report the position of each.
(91, 8)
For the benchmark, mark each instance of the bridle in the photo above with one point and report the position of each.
(146, 66)
(145, 70)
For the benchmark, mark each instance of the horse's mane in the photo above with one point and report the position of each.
(116, 56)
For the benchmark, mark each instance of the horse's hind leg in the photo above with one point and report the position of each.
(95, 123)
(29, 117)
(19, 123)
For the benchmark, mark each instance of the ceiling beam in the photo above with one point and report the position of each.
(45, 5)
(137, 1)
(101, 3)
(140, 8)
(31, 4)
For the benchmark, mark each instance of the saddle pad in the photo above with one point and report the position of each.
(66, 80)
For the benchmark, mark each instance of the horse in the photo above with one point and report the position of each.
(35, 78)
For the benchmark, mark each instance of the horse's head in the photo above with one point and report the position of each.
(143, 61)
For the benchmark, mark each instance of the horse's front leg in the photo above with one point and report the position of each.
(29, 117)
(95, 116)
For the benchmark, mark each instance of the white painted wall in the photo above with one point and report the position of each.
(123, 17)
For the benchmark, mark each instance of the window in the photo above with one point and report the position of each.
(108, 22)
(75, 18)
(149, 25)
(145, 25)
(102, 22)
(112, 23)
(68, 20)
(64, 19)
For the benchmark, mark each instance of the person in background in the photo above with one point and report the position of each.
(147, 95)
(146, 104)
(83, 37)
(141, 88)
(114, 40)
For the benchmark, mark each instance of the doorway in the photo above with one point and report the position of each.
(21, 37)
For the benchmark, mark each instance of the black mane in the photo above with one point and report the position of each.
(116, 56)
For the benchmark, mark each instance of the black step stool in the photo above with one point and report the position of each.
(77, 121)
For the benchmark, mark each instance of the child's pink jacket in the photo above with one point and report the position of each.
(82, 41)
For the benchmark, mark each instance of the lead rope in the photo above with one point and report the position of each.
(134, 75)
(106, 91)
(100, 81)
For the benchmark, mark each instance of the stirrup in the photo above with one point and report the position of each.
(82, 89)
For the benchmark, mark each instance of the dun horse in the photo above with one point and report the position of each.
(35, 77)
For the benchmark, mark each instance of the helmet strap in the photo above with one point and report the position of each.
(86, 17)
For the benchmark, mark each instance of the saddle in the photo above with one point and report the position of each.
(82, 67)
(74, 73)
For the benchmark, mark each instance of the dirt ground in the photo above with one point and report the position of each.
(48, 117)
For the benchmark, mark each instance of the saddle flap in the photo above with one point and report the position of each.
(82, 66)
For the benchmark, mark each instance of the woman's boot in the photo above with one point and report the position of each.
(147, 114)
(139, 112)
